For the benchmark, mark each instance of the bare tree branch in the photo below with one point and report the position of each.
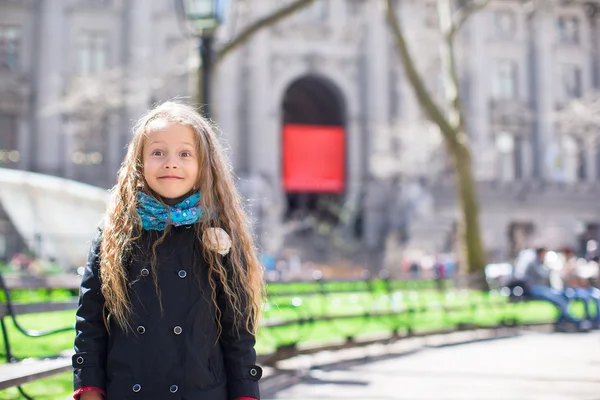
(452, 82)
(259, 24)
(431, 108)
(461, 16)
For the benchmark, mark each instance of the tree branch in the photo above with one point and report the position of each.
(452, 82)
(259, 24)
(425, 99)
(461, 16)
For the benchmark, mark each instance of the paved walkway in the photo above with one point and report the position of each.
(533, 366)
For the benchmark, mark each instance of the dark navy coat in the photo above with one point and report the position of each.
(175, 354)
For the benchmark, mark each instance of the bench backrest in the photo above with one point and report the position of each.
(70, 282)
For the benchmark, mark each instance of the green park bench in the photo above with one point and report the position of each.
(16, 372)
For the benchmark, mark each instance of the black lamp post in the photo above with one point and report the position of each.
(204, 16)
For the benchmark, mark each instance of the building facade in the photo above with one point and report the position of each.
(75, 75)
(520, 67)
(333, 67)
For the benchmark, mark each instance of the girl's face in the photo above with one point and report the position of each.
(170, 159)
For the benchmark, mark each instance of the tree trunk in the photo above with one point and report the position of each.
(466, 192)
(453, 129)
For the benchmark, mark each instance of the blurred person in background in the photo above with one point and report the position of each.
(591, 250)
(415, 270)
(536, 277)
(577, 287)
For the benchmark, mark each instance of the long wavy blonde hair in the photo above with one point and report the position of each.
(240, 279)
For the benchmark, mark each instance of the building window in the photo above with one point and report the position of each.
(568, 30)
(92, 48)
(504, 83)
(10, 44)
(571, 81)
(575, 160)
(505, 24)
(9, 148)
(505, 146)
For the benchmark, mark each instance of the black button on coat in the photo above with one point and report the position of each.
(175, 354)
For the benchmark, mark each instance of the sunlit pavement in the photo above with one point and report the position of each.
(540, 366)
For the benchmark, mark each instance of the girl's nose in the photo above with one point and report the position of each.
(171, 162)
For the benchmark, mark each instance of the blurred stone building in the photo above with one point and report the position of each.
(319, 116)
(74, 76)
(335, 65)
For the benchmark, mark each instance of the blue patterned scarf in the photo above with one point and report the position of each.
(155, 216)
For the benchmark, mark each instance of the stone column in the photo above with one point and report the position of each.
(23, 128)
(590, 156)
(594, 30)
(478, 113)
(139, 69)
(227, 96)
(264, 143)
(526, 160)
(49, 149)
(377, 128)
(544, 83)
(376, 83)
(593, 12)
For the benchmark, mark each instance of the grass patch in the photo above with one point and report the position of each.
(58, 387)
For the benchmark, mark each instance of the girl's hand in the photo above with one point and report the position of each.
(91, 396)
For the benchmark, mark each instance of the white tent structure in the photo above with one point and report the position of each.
(56, 217)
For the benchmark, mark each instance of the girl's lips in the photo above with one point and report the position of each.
(170, 177)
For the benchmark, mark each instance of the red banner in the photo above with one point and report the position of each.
(314, 158)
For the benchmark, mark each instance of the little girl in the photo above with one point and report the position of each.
(170, 297)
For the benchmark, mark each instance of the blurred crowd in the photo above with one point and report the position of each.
(561, 278)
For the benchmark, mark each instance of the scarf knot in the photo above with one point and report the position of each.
(155, 216)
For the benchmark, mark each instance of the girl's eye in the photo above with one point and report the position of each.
(186, 154)
(157, 153)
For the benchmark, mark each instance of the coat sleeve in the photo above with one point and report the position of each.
(238, 351)
(89, 361)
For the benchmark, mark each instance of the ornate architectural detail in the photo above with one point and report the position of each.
(308, 32)
(349, 67)
(510, 115)
(353, 33)
(280, 62)
(314, 60)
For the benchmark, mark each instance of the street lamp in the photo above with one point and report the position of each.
(204, 16)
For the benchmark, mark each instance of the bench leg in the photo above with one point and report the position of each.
(9, 356)
(24, 394)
